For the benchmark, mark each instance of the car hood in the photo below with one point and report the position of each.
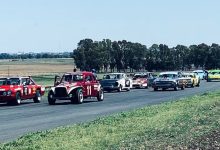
(5, 87)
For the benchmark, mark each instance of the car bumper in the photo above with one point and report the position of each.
(168, 85)
(4, 99)
(110, 88)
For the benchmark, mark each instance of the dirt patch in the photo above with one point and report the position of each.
(210, 141)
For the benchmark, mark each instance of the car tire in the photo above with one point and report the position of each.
(37, 98)
(100, 96)
(51, 99)
(176, 88)
(79, 97)
(155, 89)
(183, 87)
(17, 99)
(128, 89)
(120, 88)
(192, 85)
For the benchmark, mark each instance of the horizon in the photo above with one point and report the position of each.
(55, 26)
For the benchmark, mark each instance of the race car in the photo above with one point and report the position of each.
(140, 80)
(75, 86)
(213, 75)
(192, 79)
(15, 89)
(116, 82)
(167, 80)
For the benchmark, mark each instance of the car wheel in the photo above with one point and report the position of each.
(128, 89)
(192, 85)
(51, 99)
(79, 96)
(100, 96)
(120, 88)
(183, 87)
(155, 89)
(17, 99)
(176, 88)
(37, 97)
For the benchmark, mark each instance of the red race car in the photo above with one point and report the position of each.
(75, 86)
(15, 89)
(140, 81)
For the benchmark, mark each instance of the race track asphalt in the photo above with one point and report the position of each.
(16, 121)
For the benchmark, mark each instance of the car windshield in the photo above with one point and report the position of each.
(215, 73)
(139, 76)
(72, 78)
(188, 75)
(112, 76)
(9, 81)
(168, 76)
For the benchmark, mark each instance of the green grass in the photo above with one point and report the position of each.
(45, 80)
(165, 126)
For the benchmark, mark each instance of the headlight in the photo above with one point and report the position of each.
(9, 93)
(4, 93)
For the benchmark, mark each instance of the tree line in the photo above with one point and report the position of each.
(122, 55)
(35, 55)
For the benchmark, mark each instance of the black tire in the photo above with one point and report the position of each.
(176, 88)
(155, 89)
(183, 87)
(163, 89)
(100, 96)
(120, 88)
(37, 98)
(146, 87)
(79, 97)
(50, 98)
(128, 89)
(17, 99)
(192, 86)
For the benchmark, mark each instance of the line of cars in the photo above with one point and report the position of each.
(77, 86)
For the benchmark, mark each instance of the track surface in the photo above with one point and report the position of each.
(29, 117)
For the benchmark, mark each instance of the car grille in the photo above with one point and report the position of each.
(60, 92)
(164, 82)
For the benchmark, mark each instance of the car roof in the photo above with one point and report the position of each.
(198, 71)
(79, 72)
(14, 77)
(214, 70)
(117, 73)
(169, 72)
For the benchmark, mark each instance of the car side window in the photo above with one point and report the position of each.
(89, 78)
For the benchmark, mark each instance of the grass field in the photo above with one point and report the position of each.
(183, 124)
(35, 66)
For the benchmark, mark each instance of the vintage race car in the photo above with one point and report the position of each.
(168, 80)
(192, 79)
(15, 89)
(140, 80)
(213, 75)
(201, 73)
(75, 86)
(116, 81)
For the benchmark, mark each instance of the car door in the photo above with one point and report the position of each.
(95, 86)
(87, 86)
(27, 88)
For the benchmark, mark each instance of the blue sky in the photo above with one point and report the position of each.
(55, 25)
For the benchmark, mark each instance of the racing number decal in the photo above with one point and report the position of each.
(89, 90)
(25, 91)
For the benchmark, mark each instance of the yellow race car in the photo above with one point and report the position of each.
(192, 79)
(213, 75)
